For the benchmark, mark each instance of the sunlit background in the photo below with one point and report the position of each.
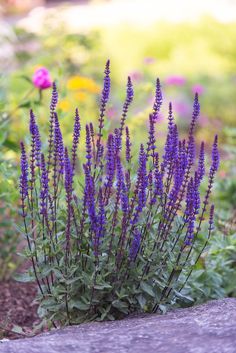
(189, 45)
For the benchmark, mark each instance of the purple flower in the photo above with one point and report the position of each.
(106, 85)
(122, 187)
(191, 150)
(89, 191)
(54, 98)
(151, 139)
(135, 245)
(24, 173)
(201, 162)
(88, 147)
(101, 222)
(53, 104)
(158, 100)
(158, 179)
(44, 187)
(142, 183)
(104, 100)
(211, 218)
(76, 136)
(128, 101)
(127, 145)
(215, 156)
(110, 165)
(195, 115)
(68, 182)
(58, 147)
(41, 78)
(68, 175)
(36, 141)
(171, 145)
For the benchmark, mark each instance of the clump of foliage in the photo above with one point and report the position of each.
(214, 275)
(9, 238)
(108, 236)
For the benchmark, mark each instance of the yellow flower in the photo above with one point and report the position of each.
(81, 96)
(64, 105)
(82, 83)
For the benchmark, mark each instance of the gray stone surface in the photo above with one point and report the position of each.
(208, 328)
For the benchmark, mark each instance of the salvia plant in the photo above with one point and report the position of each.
(108, 233)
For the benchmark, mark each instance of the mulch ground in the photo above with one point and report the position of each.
(17, 308)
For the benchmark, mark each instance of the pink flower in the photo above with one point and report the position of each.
(111, 112)
(135, 75)
(149, 60)
(198, 88)
(41, 78)
(181, 108)
(176, 80)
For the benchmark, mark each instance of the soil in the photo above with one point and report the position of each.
(17, 308)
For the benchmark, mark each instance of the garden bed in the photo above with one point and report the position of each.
(17, 308)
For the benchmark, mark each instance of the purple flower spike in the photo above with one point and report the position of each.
(121, 187)
(172, 143)
(104, 100)
(24, 173)
(88, 147)
(201, 162)
(76, 136)
(196, 112)
(54, 98)
(142, 183)
(89, 191)
(128, 101)
(190, 232)
(68, 174)
(107, 84)
(101, 216)
(110, 165)
(158, 100)
(151, 139)
(128, 145)
(69, 189)
(215, 156)
(211, 218)
(101, 222)
(191, 150)
(158, 179)
(44, 187)
(135, 246)
(36, 141)
(58, 146)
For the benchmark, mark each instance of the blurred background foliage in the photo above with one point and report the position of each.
(187, 56)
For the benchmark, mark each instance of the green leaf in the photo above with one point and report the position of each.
(183, 300)
(102, 286)
(163, 308)
(121, 306)
(147, 289)
(25, 104)
(17, 329)
(141, 300)
(24, 277)
(78, 305)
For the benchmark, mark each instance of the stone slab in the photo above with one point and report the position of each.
(207, 328)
